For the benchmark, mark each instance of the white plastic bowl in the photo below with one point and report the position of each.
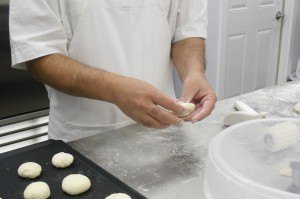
(240, 167)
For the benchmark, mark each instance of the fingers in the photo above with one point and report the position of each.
(151, 122)
(201, 113)
(168, 103)
(165, 116)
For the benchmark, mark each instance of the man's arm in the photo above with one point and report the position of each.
(189, 59)
(137, 99)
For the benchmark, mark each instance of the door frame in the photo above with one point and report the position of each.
(287, 40)
(221, 44)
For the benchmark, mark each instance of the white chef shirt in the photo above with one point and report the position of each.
(129, 37)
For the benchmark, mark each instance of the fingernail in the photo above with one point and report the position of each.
(194, 121)
(183, 113)
(181, 110)
(181, 123)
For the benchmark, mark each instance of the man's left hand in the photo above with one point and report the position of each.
(197, 90)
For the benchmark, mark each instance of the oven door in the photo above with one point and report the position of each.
(24, 102)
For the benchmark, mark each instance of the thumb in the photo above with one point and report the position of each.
(188, 93)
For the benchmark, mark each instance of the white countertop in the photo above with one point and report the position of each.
(170, 163)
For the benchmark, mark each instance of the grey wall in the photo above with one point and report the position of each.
(296, 43)
(212, 44)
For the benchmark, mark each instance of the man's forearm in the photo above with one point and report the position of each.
(71, 77)
(137, 99)
(189, 56)
(189, 59)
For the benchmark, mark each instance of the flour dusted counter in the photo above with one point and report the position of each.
(170, 163)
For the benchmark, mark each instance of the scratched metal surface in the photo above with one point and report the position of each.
(170, 163)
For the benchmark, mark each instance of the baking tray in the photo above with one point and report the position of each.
(12, 186)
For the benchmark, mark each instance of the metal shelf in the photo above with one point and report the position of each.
(24, 133)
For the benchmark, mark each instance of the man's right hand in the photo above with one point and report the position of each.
(145, 104)
(136, 98)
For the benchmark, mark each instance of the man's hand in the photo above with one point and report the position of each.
(188, 57)
(197, 90)
(136, 98)
(146, 104)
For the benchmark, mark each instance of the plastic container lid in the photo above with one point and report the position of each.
(239, 166)
(293, 77)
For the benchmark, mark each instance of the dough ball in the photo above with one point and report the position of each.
(37, 190)
(29, 170)
(189, 108)
(75, 184)
(118, 196)
(62, 160)
(297, 108)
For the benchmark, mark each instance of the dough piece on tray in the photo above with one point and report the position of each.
(75, 184)
(62, 160)
(29, 170)
(37, 190)
(118, 196)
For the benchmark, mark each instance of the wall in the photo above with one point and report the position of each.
(212, 44)
(296, 43)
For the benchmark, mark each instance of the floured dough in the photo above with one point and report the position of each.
(297, 108)
(189, 108)
(29, 170)
(62, 160)
(75, 184)
(37, 190)
(118, 196)
(286, 172)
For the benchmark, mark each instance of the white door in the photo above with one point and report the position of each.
(249, 44)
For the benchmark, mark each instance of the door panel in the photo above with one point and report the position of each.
(261, 72)
(237, 4)
(236, 45)
(266, 2)
(249, 45)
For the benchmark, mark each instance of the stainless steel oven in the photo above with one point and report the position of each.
(24, 103)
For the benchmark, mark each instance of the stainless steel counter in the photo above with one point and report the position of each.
(170, 163)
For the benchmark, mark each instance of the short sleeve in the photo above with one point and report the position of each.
(36, 30)
(191, 19)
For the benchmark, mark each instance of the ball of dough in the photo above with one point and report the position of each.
(62, 160)
(75, 184)
(118, 196)
(37, 190)
(29, 170)
(297, 108)
(189, 108)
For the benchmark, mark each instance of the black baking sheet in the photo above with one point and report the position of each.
(12, 186)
